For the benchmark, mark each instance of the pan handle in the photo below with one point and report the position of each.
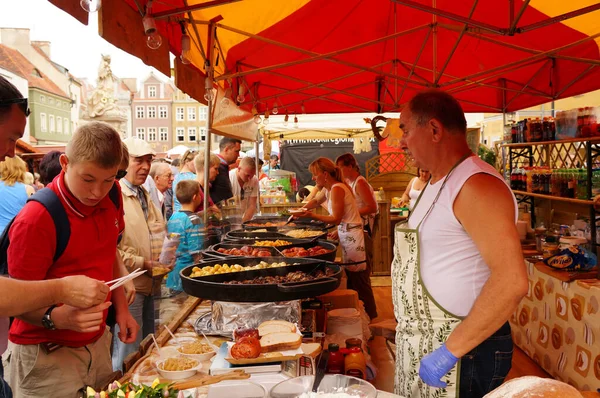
(299, 287)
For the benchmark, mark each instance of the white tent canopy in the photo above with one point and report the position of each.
(178, 150)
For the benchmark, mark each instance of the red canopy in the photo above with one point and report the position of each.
(340, 56)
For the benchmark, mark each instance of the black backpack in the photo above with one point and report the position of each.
(54, 206)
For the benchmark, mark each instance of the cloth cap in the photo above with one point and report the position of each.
(138, 147)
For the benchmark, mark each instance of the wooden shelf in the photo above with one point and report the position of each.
(572, 140)
(556, 198)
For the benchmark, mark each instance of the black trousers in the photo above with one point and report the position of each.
(485, 367)
(360, 281)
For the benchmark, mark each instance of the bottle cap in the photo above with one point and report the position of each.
(332, 347)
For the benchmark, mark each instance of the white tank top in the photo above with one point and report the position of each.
(360, 203)
(413, 194)
(351, 214)
(452, 268)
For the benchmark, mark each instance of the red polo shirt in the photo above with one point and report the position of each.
(90, 251)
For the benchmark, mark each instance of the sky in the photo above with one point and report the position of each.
(73, 45)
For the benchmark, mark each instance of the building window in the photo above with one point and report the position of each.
(151, 112)
(66, 123)
(51, 122)
(59, 124)
(180, 134)
(140, 133)
(139, 112)
(179, 113)
(203, 112)
(203, 134)
(42, 98)
(50, 101)
(163, 133)
(192, 134)
(191, 113)
(151, 134)
(152, 91)
(162, 112)
(43, 122)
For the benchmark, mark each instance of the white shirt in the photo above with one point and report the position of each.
(250, 188)
(452, 268)
(351, 214)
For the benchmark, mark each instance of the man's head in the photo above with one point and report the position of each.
(49, 167)
(13, 117)
(91, 161)
(140, 159)
(162, 175)
(187, 191)
(246, 169)
(274, 160)
(230, 149)
(432, 121)
(213, 167)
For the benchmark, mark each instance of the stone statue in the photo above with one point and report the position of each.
(103, 99)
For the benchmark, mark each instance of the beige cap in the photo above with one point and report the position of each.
(138, 147)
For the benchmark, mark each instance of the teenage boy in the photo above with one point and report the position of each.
(187, 224)
(139, 246)
(63, 349)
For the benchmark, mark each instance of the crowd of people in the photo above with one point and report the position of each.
(107, 205)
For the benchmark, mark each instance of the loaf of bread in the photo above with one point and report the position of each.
(280, 342)
(534, 387)
(276, 326)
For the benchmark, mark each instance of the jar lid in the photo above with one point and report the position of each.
(353, 343)
(573, 240)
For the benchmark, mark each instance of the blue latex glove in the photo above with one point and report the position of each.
(436, 365)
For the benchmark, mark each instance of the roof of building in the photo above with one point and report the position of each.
(15, 62)
(23, 147)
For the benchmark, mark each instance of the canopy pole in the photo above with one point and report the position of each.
(210, 103)
(258, 170)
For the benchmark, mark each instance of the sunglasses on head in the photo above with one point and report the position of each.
(121, 174)
(21, 103)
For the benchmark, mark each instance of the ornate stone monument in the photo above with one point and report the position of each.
(102, 103)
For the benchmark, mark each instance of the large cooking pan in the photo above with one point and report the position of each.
(242, 235)
(212, 287)
(326, 244)
(213, 250)
(298, 222)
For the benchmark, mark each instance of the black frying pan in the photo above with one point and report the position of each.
(249, 235)
(211, 287)
(213, 250)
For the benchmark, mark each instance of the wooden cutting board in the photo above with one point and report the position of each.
(310, 349)
(200, 380)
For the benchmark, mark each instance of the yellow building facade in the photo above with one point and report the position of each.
(189, 122)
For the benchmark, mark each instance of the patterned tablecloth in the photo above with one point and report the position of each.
(557, 325)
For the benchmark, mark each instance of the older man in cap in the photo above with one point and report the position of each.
(143, 222)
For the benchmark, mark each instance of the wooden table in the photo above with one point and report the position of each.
(557, 325)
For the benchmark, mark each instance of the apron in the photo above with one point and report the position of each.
(423, 325)
(352, 241)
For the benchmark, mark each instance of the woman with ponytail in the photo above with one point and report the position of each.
(343, 212)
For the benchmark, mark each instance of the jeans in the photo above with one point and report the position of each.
(142, 310)
(485, 367)
(5, 391)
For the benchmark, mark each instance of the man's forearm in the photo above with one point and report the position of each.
(34, 317)
(497, 301)
(19, 296)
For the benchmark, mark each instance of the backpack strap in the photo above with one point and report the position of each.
(115, 195)
(47, 198)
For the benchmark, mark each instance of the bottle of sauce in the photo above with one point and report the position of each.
(335, 365)
(354, 362)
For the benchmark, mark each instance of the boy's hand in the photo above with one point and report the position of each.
(149, 264)
(128, 327)
(82, 292)
(79, 320)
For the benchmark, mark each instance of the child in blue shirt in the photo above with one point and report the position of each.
(188, 225)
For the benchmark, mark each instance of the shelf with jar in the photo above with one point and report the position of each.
(573, 124)
(556, 183)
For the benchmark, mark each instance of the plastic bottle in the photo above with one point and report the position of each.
(335, 365)
(354, 362)
(582, 184)
(595, 183)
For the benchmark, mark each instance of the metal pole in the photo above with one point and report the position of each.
(210, 104)
(258, 170)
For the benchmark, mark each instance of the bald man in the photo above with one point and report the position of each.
(158, 182)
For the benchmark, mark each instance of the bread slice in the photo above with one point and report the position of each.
(280, 342)
(275, 326)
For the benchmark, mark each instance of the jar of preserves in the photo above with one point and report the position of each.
(354, 362)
